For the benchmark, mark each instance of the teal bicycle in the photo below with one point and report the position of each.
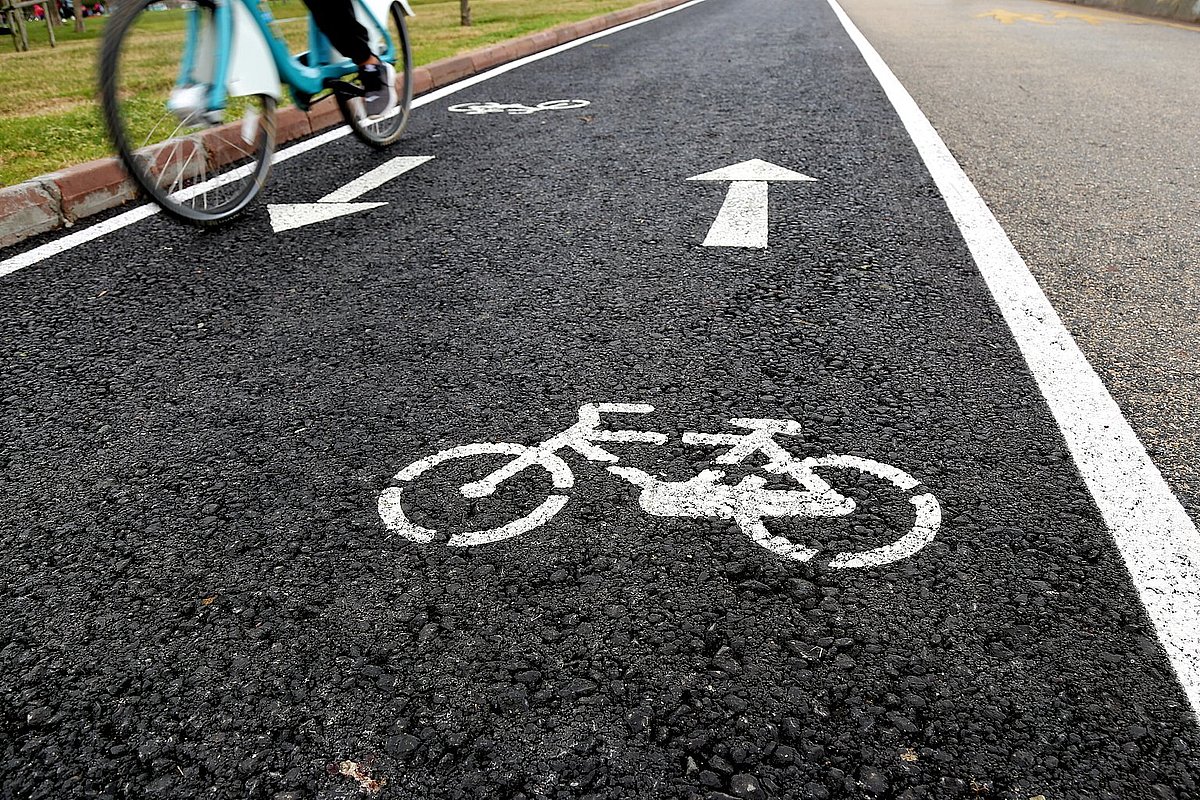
(189, 93)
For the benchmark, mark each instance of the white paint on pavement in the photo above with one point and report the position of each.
(753, 170)
(746, 503)
(927, 511)
(742, 220)
(438, 94)
(1157, 539)
(375, 178)
(73, 240)
(515, 109)
(127, 218)
(391, 500)
(288, 216)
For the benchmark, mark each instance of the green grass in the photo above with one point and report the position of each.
(48, 113)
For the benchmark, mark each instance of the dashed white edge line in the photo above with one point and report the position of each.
(1157, 539)
(124, 220)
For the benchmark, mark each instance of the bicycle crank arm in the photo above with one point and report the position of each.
(345, 89)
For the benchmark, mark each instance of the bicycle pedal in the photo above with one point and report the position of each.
(345, 89)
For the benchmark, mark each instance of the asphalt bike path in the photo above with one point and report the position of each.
(237, 561)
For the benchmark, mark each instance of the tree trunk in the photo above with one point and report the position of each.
(464, 12)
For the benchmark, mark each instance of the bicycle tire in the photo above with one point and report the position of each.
(384, 132)
(199, 173)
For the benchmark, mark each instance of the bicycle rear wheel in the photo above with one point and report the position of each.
(383, 132)
(198, 170)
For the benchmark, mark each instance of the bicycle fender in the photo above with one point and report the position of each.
(251, 66)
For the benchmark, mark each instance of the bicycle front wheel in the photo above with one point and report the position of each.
(386, 130)
(198, 169)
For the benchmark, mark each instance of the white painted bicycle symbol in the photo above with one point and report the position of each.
(516, 108)
(746, 503)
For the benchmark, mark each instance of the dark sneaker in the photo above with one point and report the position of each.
(379, 81)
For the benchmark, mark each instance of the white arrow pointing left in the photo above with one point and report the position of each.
(286, 216)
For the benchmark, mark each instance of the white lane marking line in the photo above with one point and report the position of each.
(374, 179)
(1157, 539)
(438, 94)
(127, 218)
(742, 220)
(72, 240)
(123, 220)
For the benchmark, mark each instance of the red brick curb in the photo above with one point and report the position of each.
(59, 199)
(27, 209)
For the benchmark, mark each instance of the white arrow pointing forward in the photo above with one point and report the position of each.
(286, 216)
(742, 220)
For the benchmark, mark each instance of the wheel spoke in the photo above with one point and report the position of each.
(182, 170)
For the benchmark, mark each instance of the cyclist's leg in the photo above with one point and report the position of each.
(336, 20)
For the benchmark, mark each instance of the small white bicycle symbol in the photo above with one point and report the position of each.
(746, 503)
(516, 108)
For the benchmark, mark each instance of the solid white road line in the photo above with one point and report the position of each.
(72, 240)
(1159, 542)
(124, 220)
(97, 230)
(438, 94)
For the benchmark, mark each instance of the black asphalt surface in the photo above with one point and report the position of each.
(199, 598)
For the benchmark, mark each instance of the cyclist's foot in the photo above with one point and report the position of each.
(379, 81)
(188, 102)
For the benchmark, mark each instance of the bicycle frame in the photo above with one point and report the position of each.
(237, 51)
